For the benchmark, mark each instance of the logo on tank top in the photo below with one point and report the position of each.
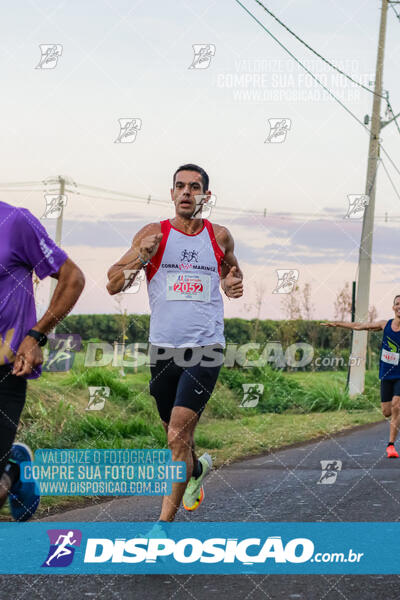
(392, 345)
(189, 256)
(188, 260)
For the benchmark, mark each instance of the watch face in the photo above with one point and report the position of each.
(43, 340)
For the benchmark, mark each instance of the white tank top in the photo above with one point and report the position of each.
(183, 280)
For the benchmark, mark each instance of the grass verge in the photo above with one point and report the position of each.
(295, 407)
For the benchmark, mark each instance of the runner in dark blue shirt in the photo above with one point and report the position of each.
(389, 368)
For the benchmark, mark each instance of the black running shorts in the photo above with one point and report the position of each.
(12, 400)
(389, 388)
(183, 377)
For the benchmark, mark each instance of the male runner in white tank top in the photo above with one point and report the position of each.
(186, 260)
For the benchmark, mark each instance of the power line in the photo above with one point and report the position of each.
(317, 80)
(390, 159)
(325, 60)
(24, 190)
(390, 179)
(147, 199)
(126, 197)
(303, 66)
(13, 183)
(394, 10)
(107, 191)
(157, 201)
(109, 198)
(393, 115)
(233, 211)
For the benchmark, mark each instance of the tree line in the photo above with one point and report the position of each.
(108, 328)
(298, 326)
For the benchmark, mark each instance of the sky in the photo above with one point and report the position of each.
(125, 60)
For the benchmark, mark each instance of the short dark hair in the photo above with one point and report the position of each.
(398, 296)
(189, 167)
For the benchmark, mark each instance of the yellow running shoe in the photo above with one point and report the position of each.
(194, 493)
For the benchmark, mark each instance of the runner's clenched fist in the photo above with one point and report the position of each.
(149, 245)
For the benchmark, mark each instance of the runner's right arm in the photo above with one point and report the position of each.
(375, 326)
(144, 246)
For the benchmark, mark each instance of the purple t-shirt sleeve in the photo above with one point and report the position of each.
(35, 248)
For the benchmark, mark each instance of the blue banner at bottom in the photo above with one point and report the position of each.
(195, 548)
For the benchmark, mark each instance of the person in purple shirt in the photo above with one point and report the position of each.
(25, 246)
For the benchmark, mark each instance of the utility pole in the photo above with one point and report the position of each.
(359, 345)
(353, 313)
(53, 282)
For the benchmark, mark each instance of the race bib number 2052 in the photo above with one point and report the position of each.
(185, 286)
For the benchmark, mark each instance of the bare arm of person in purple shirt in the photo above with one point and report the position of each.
(70, 284)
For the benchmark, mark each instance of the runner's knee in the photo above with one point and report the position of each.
(396, 402)
(179, 442)
(179, 436)
(387, 409)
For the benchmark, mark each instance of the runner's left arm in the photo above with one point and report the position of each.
(231, 274)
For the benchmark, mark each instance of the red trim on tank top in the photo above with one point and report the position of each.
(189, 234)
(155, 262)
(219, 254)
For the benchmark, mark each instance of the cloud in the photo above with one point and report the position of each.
(310, 242)
(107, 233)
(266, 241)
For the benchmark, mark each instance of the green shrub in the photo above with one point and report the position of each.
(283, 392)
(83, 378)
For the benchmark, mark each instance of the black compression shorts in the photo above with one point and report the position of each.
(389, 388)
(174, 384)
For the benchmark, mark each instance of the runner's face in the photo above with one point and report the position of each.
(188, 184)
(396, 307)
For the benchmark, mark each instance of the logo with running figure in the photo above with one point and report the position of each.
(128, 129)
(133, 279)
(50, 53)
(189, 256)
(203, 54)
(278, 129)
(97, 397)
(357, 205)
(63, 543)
(329, 471)
(251, 394)
(55, 204)
(204, 205)
(286, 280)
(63, 347)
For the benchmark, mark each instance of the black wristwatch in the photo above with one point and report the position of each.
(41, 338)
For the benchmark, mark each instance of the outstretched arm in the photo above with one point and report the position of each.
(375, 326)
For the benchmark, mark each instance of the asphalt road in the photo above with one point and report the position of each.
(277, 487)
